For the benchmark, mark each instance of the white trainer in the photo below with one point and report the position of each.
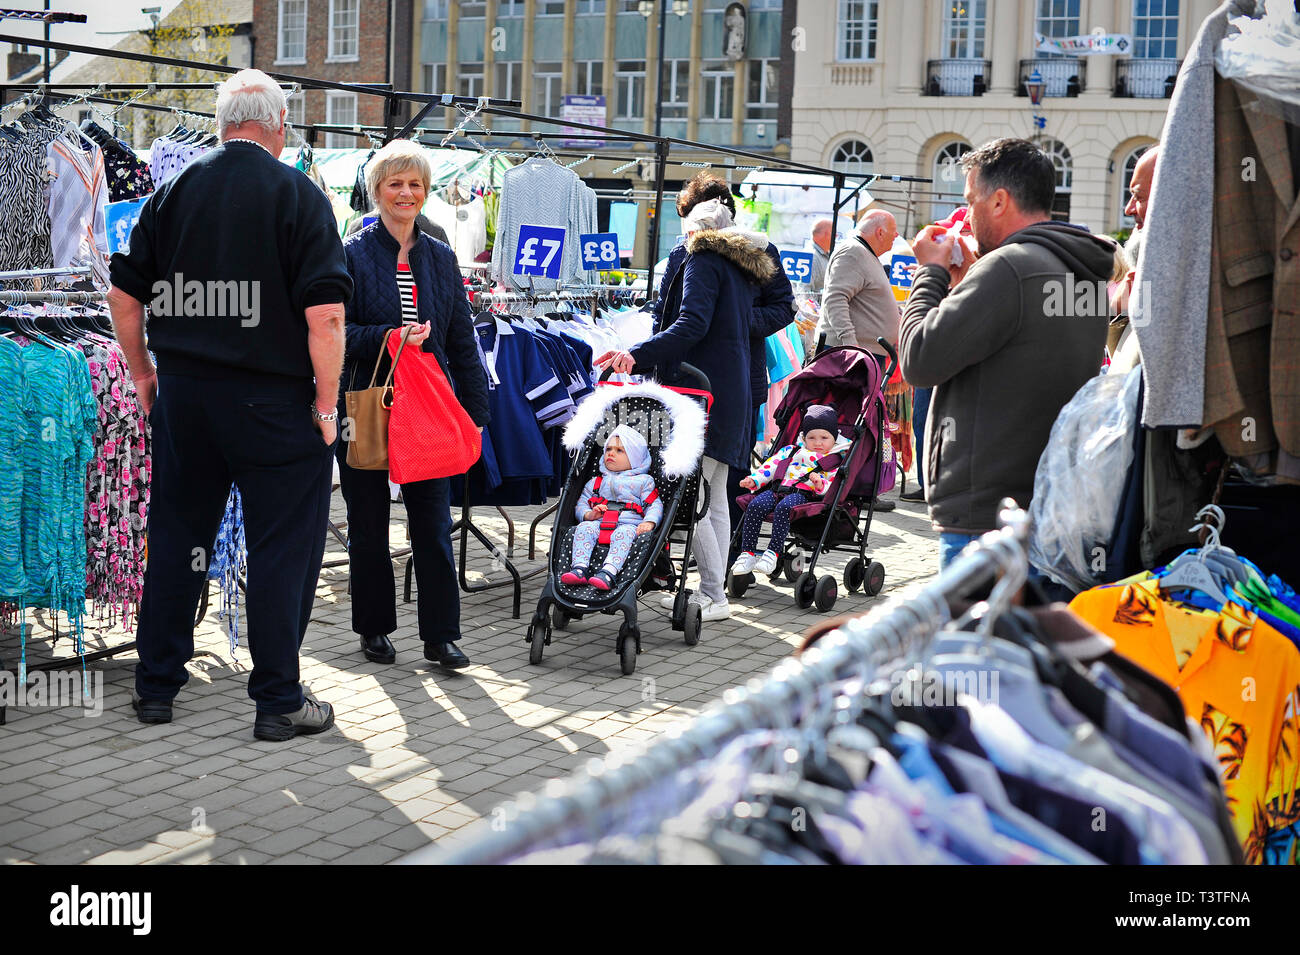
(744, 563)
(711, 609)
(668, 600)
(767, 563)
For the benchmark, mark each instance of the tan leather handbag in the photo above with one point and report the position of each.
(368, 411)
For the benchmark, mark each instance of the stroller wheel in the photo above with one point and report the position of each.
(679, 608)
(559, 619)
(539, 635)
(793, 564)
(825, 593)
(627, 650)
(694, 622)
(805, 589)
(855, 573)
(737, 585)
(875, 581)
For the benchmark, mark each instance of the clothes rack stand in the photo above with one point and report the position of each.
(864, 648)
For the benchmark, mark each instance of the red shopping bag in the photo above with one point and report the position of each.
(429, 433)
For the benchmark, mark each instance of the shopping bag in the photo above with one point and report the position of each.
(368, 413)
(429, 434)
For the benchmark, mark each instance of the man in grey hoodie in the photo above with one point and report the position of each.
(1020, 331)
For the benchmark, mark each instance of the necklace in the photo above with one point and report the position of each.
(253, 141)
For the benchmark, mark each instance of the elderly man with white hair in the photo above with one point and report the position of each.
(858, 304)
(239, 260)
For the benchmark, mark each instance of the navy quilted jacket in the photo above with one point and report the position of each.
(376, 307)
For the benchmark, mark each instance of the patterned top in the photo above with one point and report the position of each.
(24, 210)
(117, 487)
(802, 474)
(229, 563)
(167, 158)
(1241, 679)
(128, 176)
(53, 432)
(78, 192)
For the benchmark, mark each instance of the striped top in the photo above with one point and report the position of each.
(406, 287)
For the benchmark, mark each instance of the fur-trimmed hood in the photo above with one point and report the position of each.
(744, 249)
(680, 455)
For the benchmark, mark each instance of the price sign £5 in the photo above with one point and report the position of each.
(797, 265)
(599, 250)
(539, 251)
(901, 268)
(119, 220)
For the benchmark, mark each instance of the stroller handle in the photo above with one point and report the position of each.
(893, 359)
(699, 379)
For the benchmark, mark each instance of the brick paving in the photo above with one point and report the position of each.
(417, 752)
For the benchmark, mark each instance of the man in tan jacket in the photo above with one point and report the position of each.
(858, 303)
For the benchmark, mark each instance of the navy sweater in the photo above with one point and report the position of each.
(255, 244)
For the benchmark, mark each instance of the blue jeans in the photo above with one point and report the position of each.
(950, 545)
(920, 411)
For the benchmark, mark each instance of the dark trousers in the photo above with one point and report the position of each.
(257, 432)
(374, 592)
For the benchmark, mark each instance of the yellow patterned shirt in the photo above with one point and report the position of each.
(1241, 679)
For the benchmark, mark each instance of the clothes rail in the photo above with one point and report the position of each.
(43, 273)
(52, 297)
(862, 648)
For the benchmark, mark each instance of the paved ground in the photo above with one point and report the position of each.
(417, 752)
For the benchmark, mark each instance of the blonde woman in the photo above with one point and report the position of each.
(402, 276)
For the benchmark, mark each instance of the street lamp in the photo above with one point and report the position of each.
(1036, 86)
(647, 8)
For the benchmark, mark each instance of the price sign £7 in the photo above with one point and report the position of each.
(539, 251)
(797, 265)
(599, 250)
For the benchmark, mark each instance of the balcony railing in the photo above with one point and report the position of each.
(1146, 79)
(1062, 74)
(957, 77)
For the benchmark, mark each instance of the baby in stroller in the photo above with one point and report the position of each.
(805, 470)
(616, 505)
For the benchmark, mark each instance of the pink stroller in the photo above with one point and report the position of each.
(849, 380)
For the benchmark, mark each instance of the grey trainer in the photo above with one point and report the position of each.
(313, 717)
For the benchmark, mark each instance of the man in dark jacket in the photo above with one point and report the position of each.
(240, 262)
(1019, 334)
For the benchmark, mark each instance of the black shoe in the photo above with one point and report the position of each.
(313, 717)
(913, 497)
(378, 649)
(447, 654)
(881, 506)
(151, 711)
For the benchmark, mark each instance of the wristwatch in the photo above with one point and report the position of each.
(332, 416)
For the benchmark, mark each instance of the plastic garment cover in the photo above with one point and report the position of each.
(1080, 480)
(1265, 55)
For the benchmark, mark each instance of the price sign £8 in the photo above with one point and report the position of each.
(797, 265)
(599, 250)
(539, 251)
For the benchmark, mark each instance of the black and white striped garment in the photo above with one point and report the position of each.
(406, 287)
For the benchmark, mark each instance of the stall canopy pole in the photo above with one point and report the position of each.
(661, 161)
(835, 215)
(384, 89)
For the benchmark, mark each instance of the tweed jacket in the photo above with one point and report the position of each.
(1252, 346)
